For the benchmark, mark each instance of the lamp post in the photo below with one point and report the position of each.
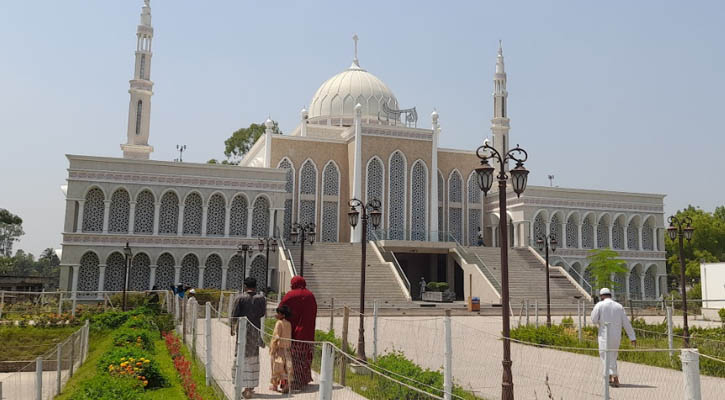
(270, 244)
(370, 210)
(244, 250)
(519, 176)
(126, 266)
(303, 232)
(679, 228)
(546, 242)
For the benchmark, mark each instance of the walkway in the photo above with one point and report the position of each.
(223, 358)
(477, 361)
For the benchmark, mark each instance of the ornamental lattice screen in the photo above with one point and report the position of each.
(113, 279)
(238, 216)
(260, 217)
(190, 271)
(289, 189)
(213, 272)
(330, 195)
(455, 204)
(119, 212)
(374, 184)
(418, 201)
(396, 195)
(192, 214)
(144, 213)
(169, 214)
(93, 211)
(572, 234)
(88, 272)
(140, 273)
(216, 215)
(165, 271)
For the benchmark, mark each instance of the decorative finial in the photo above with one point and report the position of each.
(358, 109)
(500, 48)
(269, 124)
(147, 3)
(354, 38)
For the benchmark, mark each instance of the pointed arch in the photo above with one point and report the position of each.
(140, 273)
(88, 272)
(238, 215)
(474, 208)
(603, 231)
(374, 184)
(260, 216)
(165, 270)
(94, 210)
(307, 212)
(572, 230)
(633, 232)
(618, 237)
(190, 270)
(588, 230)
(193, 211)
(441, 203)
(213, 271)
(216, 214)
(258, 271)
(144, 213)
(289, 188)
(169, 213)
(419, 200)
(397, 195)
(113, 278)
(330, 202)
(119, 211)
(455, 205)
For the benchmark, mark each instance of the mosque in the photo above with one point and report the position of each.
(185, 222)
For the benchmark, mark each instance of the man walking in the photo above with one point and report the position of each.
(252, 306)
(607, 311)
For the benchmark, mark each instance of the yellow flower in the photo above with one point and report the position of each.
(145, 383)
(146, 361)
(123, 358)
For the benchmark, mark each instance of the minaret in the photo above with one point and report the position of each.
(500, 122)
(139, 108)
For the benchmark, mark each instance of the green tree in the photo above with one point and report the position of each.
(707, 244)
(603, 264)
(11, 228)
(241, 141)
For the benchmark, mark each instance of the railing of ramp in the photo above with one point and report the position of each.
(476, 260)
(388, 256)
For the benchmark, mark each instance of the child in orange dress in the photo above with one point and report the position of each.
(279, 351)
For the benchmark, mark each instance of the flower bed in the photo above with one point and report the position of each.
(182, 365)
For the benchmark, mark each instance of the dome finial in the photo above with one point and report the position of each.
(355, 61)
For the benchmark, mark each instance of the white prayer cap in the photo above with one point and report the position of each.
(605, 291)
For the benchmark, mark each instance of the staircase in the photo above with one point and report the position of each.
(527, 279)
(332, 270)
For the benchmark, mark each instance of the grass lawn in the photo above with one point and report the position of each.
(97, 345)
(27, 343)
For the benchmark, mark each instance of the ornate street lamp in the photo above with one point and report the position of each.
(546, 242)
(126, 266)
(243, 251)
(302, 232)
(519, 176)
(679, 228)
(270, 244)
(370, 210)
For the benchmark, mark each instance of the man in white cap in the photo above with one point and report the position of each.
(607, 311)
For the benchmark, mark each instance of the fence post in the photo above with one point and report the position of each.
(448, 358)
(72, 353)
(605, 326)
(326, 372)
(184, 320)
(194, 317)
(332, 314)
(536, 311)
(60, 303)
(2, 306)
(579, 312)
(73, 312)
(39, 378)
(207, 332)
(584, 312)
(527, 312)
(221, 302)
(343, 364)
(669, 331)
(59, 368)
(691, 371)
(1, 390)
(229, 308)
(375, 331)
(241, 344)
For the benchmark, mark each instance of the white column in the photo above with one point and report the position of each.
(106, 212)
(180, 226)
(201, 276)
(639, 238)
(562, 240)
(626, 283)
(225, 270)
(641, 285)
(250, 215)
(177, 274)
(433, 175)
(269, 125)
(227, 216)
(356, 233)
(657, 286)
(303, 123)
(157, 212)
(74, 282)
(609, 233)
(516, 236)
(272, 213)
(79, 221)
(596, 236)
(579, 235)
(152, 276)
(131, 216)
(204, 217)
(101, 279)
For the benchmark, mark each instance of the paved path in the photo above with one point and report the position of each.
(223, 359)
(477, 361)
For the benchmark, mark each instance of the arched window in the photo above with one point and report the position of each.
(260, 217)
(650, 289)
(374, 185)
(620, 287)
(418, 201)
(474, 209)
(238, 216)
(113, 279)
(602, 233)
(140, 273)
(587, 233)
(258, 271)
(142, 69)
(289, 189)
(572, 232)
(216, 215)
(555, 229)
(647, 240)
(169, 214)
(617, 235)
(455, 206)
(93, 211)
(144, 213)
(165, 271)
(330, 201)
(213, 272)
(234, 273)
(632, 235)
(396, 193)
(139, 107)
(88, 272)
(190, 270)
(119, 212)
(635, 284)
(441, 200)
(192, 214)
(308, 192)
(539, 227)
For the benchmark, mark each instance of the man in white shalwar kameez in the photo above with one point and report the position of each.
(607, 311)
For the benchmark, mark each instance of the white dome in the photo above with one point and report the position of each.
(338, 96)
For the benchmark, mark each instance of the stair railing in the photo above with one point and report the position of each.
(388, 256)
(288, 253)
(583, 284)
(476, 260)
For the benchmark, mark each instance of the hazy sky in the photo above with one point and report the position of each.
(618, 95)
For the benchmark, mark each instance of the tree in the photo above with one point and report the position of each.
(604, 264)
(707, 244)
(241, 141)
(11, 228)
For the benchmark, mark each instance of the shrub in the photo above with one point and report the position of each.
(142, 322)
(133, 300)
(140, 338)
(108, 320)
(134, 362)
(567, 322)
(721, 313)
(105, 387)
(165, 322)
(437, 286)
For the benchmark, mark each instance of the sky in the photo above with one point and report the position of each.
(615, 95)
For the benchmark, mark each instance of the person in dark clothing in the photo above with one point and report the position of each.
(303, 306)
(249, 306)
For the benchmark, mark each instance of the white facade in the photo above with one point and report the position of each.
(712, 279)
